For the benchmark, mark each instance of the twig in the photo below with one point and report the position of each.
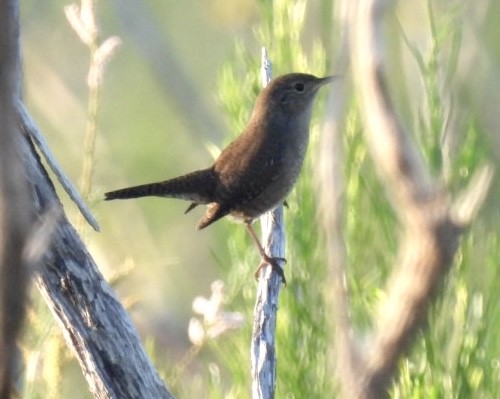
(29, 126)
(263, 350)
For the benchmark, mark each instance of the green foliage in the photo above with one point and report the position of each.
(369, 219)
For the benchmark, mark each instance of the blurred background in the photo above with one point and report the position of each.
(179, 88)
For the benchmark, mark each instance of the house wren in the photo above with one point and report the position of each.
(255, 172)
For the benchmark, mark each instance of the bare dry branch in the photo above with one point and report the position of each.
(263, 349)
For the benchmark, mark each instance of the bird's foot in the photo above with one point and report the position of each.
(275, 265)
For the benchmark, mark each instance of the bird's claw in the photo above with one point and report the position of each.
(275, 265)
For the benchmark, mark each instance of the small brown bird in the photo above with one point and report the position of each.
(255, 173)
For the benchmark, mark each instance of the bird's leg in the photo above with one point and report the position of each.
(266, 259)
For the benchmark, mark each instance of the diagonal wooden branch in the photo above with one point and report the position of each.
(429, 220)
(94, 323)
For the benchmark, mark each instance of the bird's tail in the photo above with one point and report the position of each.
(197, 187)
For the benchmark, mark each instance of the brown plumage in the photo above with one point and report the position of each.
(255, 172)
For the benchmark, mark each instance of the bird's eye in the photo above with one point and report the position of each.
(299, 87)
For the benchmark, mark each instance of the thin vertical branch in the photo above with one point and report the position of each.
(16, 212)
(83, 21)
(90, 131)
(263, 350)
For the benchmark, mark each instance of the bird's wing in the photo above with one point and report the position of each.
(246, 170)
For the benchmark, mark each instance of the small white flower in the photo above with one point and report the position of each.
(216, 321)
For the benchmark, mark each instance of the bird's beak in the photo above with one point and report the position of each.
(327, 79)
